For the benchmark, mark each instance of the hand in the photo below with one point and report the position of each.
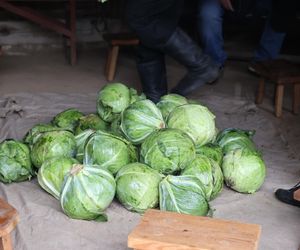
(227, 4)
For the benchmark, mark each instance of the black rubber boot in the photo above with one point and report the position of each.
(287, 195)
(153, 78)
(201, 69)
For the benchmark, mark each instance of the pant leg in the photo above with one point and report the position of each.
(152, 71)
(210, 27)
(153, 21)
(270, 44)
(271, 40)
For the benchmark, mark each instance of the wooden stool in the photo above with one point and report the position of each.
(168, 230)
(115, 41)
(280, 72)
(9, 218)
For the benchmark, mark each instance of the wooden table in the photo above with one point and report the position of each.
(68, 28)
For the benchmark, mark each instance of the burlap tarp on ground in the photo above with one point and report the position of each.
(43, 225)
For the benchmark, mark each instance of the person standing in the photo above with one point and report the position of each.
(210, 22)
(155, 23)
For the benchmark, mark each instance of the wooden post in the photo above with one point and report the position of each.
(279, 100)
(5, 242)
(111, 63)
(9, 218)
(296, 98)
(260, 91)
(73, 40)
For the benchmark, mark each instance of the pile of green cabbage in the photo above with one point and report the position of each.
(167, 155)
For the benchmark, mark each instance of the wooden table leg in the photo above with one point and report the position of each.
(260, 91)
(279, 100)
(5, 242)
(73, 41)
(112, 62)
(296, 98)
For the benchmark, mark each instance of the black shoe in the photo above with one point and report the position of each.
(287, 196)
(153, 78)
(221, 73)
(254, 67)
(201, 69)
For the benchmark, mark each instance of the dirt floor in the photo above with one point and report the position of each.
(35, 87)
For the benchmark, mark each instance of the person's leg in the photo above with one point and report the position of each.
(210, 28)
(270, 44)
(297, 195)
(159, 32)
(271, 40)
(201, 69)
(152, 72)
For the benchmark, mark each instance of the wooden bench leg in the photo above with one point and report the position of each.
(279, 100)
(111, 62)
(260, 91)
(5, 242)
(296, 99)
(73, 42)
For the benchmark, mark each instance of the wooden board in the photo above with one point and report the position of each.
(160, 230)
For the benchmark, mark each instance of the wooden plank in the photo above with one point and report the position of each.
(279, 100)
(167, 230)
(124, 39)
(279, 71)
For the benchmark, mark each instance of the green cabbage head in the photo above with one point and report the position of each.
(15, 163)
(231, 138)
(212, 151)
(87, 192)
(112, 100)
(52, 173)
(218, 179)
(195, 120)
(115, 127)
(140, 119)
(244, 171)
(53, 144)
(137, 187)
(80, 143)
(109, 151)
(91, 121)
(36, 130)
(201, 168)
(168, 102)
(67, 119)
(134, 96)
(168, 150)
(183, 194)
(208, 172)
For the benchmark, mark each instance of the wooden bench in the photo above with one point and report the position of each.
(115, 40)
(160, 230)
(9, 218)
(282, 73)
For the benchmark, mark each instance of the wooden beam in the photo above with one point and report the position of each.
(35, 17)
